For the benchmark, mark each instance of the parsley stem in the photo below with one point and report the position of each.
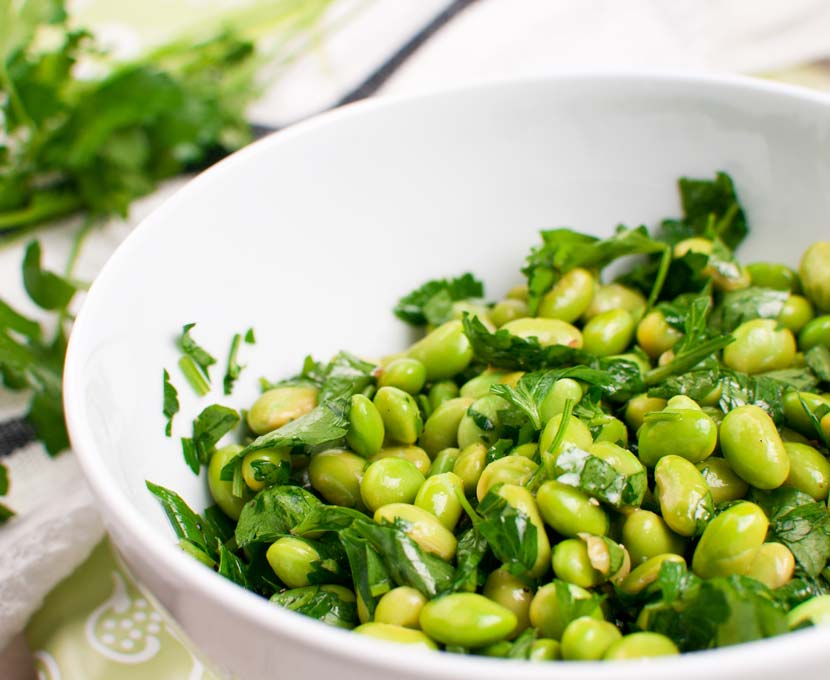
(662, 272)
(77, 244)
(51, 206)
(194, 376)
(685, 361)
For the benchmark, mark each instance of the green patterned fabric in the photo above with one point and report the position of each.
(98, 625)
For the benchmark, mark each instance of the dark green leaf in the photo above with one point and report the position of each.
(46, 416)
(234, 369)
(46, 289)
(509, 532)
(432, 302)
(12, 320)
(273, 513)
(369, 573)
(405, 562)
(472, 547)
(213, 423)
(523, 645)
(818, 359)
(599, 479)
(186, 523)
(529, 393)
(170, 405)
(195, 351)
(737, 307)
(344, 376)
(321, 603)
(250, 339)
(713, 204)
(232, 568)
(6, 514)
(4, 480)
(327, 518)
(219, 523)
(191, 458)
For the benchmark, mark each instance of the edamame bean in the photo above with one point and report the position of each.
(753, 447)
(796, 313)
(814, 272)
(470, 464)
(569, 297)
(730, 541)
(685, 501)
(608, 333)
(295, 559)
(518, 292)
(645, 535)
(646, 573)
(277, 406)
(614, 296)
(390, 480)
(366, 429)
(543, 649)
(401, 416)
(422, 527)
(444, 461)
(513, 594)
(438, 495)
(479, 386)
(587, 639)
(336, 475)
(519, 498)
(773, 275)
(576, 434)
(816, 611)
(572, 564)
(414, 454)
(467, 620)
(507, 470)
(441, 391)
(554, 402)
(760, 346)
(816, 332)
(639, 406)
(610, 429)
(480, 422)
(393, 633)
(547, 331)
(723, 483)
(406, 374)
(508, 310)
(221, 490)
(401, 606)
(773, 565)
(570, 511)
(684, 432)
(265, 467)
(547, 612)
(640, 646)
(441, 428)
(445, 352)
(809, 470)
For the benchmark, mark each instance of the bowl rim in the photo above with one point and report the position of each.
(748, 657)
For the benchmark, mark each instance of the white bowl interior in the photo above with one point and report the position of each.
(311, 235)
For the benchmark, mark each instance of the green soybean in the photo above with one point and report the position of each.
(547, 612)
(685, 501)
(366, 429)
(444, 461)
(587, 639)
(422, 527)
(773, 275)
(393, 633)
(278, 406)
(638, 407)
(796, 313)
(608, 333)
(401, 416)
(414, 454)
(439, 495)
(336, 475)
(773, 565)
(406, 374)
(260, 468)
(572, 564)
(569, 297)
(646, 573)
(753, 447)
(508, 310)
(576, 433)
(814, 271)
(570, 511)
(507, 470)
(401, 606)
(519, 498)
(441, 428)
(655, 335)
(220, 490)
(445, 352)
(294, 560)
(809, 470)
(815, 611)
(641, 646)
(441, 391)
(511, 593)
(723, 483)
(645, 535)
(390, 480)
(467, 620)
(469, 465)
(730, 541)
(554, 402)
(480, 422)
(684, 432)
(815, 333)
(760, 346)
(547, 331)
(614, 296)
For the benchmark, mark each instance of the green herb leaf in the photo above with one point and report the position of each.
(319, 603)
(191, 458)
(818, 359)
(190, 370)
(405, 562)
(46, 289)
(170, 405)
(327, 518)
(213, 423)
(250, 339)
(471, 549)
(369, 573)
(273, 513)
(232, 568)
(711, 208)
(6, 514)
(599, 479)
(509, 532)
(432, 302)
(234, 369)
(4, 480)
(186, 523)
(737, 307)
(195, 351)
(12, 320)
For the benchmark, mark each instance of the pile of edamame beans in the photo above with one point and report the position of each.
(681, 483)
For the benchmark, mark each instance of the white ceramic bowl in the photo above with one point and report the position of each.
(311, 235)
